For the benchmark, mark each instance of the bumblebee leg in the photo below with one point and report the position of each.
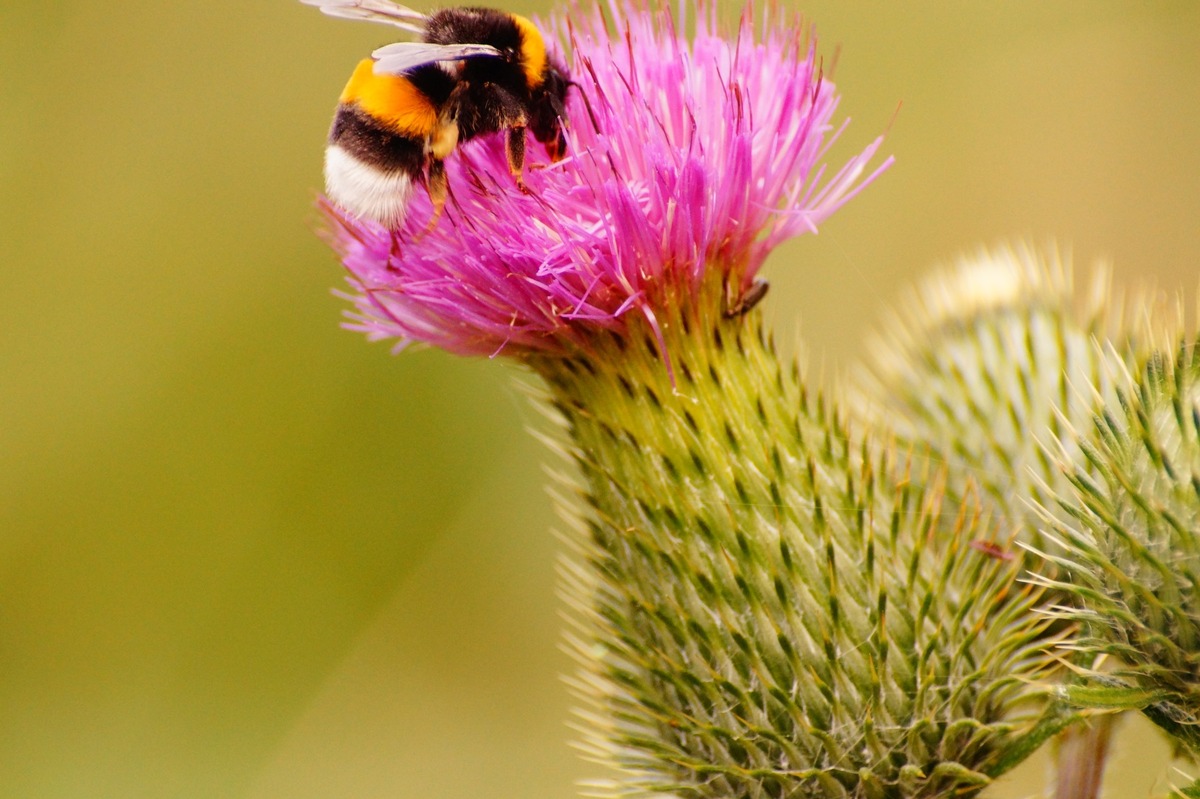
(438, 186)
(556, 146)
(516, 155)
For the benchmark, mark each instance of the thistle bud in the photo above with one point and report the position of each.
(1130, 545)
(988, 361)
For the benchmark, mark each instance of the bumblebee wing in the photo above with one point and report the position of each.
(373, 11)
(402, 57)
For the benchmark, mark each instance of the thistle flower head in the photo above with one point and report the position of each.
(686, 154)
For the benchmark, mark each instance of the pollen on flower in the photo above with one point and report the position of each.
(685, 154)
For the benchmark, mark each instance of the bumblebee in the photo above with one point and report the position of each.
(405, 109)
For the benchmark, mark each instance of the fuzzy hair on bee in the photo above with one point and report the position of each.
(405, 109)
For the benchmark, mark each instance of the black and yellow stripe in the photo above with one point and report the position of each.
(386, 120)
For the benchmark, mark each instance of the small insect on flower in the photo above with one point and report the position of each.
(992, 550)
(406, 108)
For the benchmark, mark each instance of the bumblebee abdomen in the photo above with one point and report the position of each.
(371, 171)
(377, 145)
(385, 130)
(362, 136)
(366, 190)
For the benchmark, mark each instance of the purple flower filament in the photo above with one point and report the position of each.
(685, 155)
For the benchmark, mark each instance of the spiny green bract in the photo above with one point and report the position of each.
(769, 604)
(1132, 544)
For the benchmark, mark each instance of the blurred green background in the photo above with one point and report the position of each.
(245, 554)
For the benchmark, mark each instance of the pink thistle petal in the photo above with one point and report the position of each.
(684, 156)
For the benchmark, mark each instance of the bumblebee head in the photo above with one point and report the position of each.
(548, 109)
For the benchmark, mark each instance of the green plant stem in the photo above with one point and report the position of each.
(1081, 757)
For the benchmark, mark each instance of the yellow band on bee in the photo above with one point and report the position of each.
(391, 100)
(533, 51)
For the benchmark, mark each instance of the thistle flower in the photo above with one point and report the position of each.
(765, 601)
(684, 157)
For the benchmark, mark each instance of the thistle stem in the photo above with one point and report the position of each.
(1081, 757)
